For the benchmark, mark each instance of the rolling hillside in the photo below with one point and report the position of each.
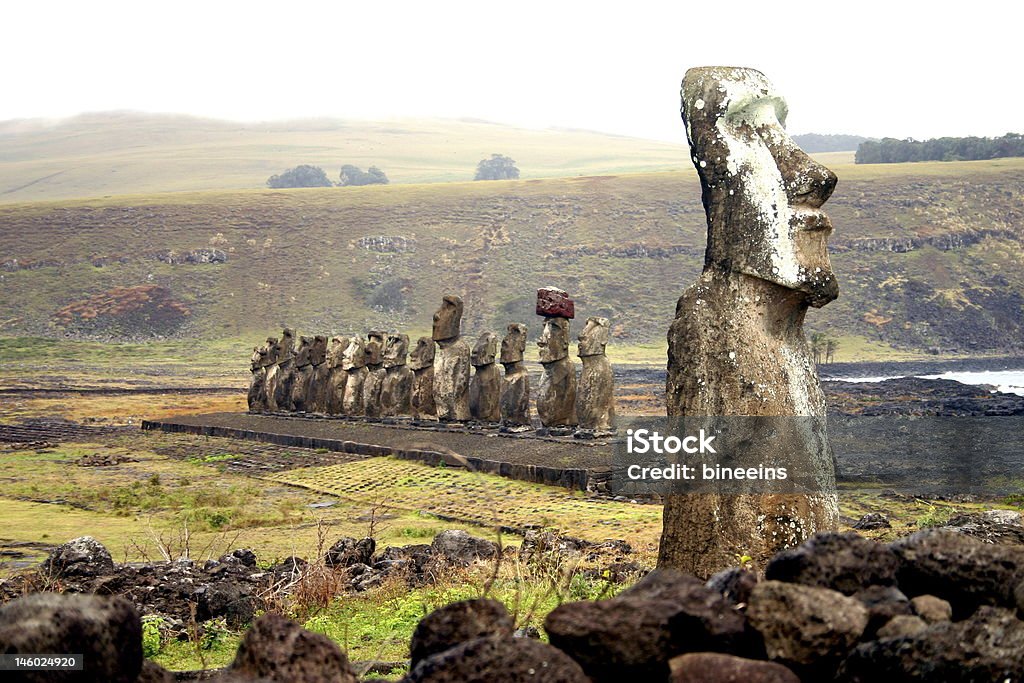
(117, 153)
(929, 257)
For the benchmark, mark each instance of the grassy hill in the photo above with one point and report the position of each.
(115, 153)
(928, 256)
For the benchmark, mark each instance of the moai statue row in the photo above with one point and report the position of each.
(451, 363)
(515, 386)
(595, 396)
(556, 399)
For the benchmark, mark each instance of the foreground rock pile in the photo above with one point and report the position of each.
(937, 606)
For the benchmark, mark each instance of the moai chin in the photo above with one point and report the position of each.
(595, 397)
(353, 362)
(281, 373)
(485, 387)
(303, 375)
(337, 376)
(451, 363)
(515, 389)
(737, 345)
(375, 373)
(396, 390)
(556, 398)
(421, 362)
(316, 398)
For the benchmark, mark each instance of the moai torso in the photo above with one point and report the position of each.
(337, 377)
(556, 396)
(515, 385)
(421, 362)
(303, 375)
(316, 401)
(374, 374)
(485, 387)
(353, 361)
(396, 390)
(451, 363)
(280, 374)
(736, 347)
(595, 396)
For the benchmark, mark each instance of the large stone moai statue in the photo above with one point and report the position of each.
(737, 345)
(595, 397)
(316, 397)
(451, 363)
(396, 390)
(485, 387)
(337, 376)
(374, 373)
(353, 362)
(556, 398)
(303, 375)
(515, 386)
(281, 373)
(421, 362)
(262, 359)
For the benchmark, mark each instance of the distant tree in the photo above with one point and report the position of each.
(893, 151)
(300, 176)
(353, 175)
(498, 167)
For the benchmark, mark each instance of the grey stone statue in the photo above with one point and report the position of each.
(421, 362)
(353, 361)
(737, 345)
(595, 396)
(485, 387)
(281, 373)
(262, 360)
(396, 391)
(451, 363)
(374, 373)
(303, 375)
(556, 397)
(316, 398)
(337, 375)
(515, 389)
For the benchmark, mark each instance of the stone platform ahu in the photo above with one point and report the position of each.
(737, 346)
(442, 380)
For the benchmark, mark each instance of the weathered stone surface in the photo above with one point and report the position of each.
(595, 398)
(106, 631)
(844, 562)
(734, 583)
(337, 375)
(303, 375)
(459, 547)
(515, 386)
(871, 521)
(556, 397)
(989, 646)
(448, 318)
(633, 635)
(902, 625)
(396, 391)
(960, 569)
(348, 551)
(553, 302)
(257, 395)
(485, 387)
(375, 373)
(737, 345)
(154, 673)
(421, 361)
(353, 362)
(808, 629)
(932, 609)
(282, 372)
(714, 667)
(280, 650)
(317, 396)
(498, 660)
(80, 557)
(457, 623)
(883, 603)
(990, 526)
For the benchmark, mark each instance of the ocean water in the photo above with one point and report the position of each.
(1009, 381)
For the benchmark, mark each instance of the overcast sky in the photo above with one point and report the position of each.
(872, 68)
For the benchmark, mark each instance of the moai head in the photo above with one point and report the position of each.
(485, 350)
(272, 348)
(761, 192)
(374, 347)
(594, 337)
(318, 351)
(423, 355)
(396, 350)
(554, 340)
(287, 344)
(302, 351)
(354, 355)
(448, 319)
(336, 351)
(514, 343)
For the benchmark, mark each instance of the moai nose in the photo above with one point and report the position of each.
(808, 183)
